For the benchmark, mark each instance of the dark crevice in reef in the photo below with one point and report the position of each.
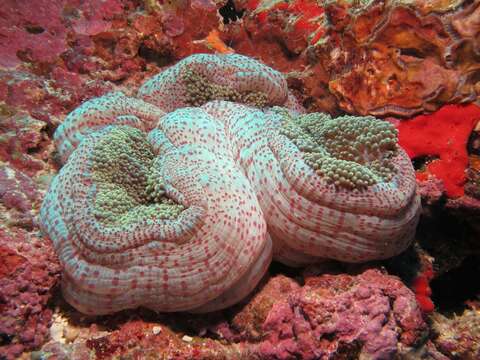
(5, 339)
(286, 51)
(473, 144)
(277, 268)
(349, 351)
(406, 265)
(34, 29)
(448, 236)
(411, 52)
(420, 162)
(229, 13)
(445, 236)
(152, 56)
(106, 43)
(452, 289)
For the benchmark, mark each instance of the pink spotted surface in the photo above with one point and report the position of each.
(308, 218)
(245, 189)
(93, 115)
(168, 91)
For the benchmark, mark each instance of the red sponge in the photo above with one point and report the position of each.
(443, 134)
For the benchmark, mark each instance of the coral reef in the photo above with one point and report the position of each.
(27, 277)
(370, 314)
(458, 337)
(22, 142)
(138, 222)
(384, 58)
(18, 193)
(410, 59)
(406, 57)
(390, 58)
(28, 34)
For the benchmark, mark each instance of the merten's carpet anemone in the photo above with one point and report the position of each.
(175, 199)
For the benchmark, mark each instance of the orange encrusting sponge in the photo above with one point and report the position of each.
(305, 12)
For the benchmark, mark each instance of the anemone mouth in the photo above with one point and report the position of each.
(128, 186)
(200, 90)
(346, 151)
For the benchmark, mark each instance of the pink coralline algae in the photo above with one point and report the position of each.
(172, 200)
(19, 194)
(28, 275)
(21, 138)
(371, 315)
(28, 29)
(17, 190)
(41, 34)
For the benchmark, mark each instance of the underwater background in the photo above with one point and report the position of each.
(413, 293)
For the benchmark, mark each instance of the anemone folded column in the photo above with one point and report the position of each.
(170, 231)
(329, 188)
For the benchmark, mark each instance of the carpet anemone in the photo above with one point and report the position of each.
(178, 198)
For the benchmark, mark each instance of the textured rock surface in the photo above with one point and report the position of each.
(458, 337)
(19, 194)
(371, 314)
(417, 59)
(30, 31)
(380, 58)
(28, 273)
(408, 57)
(23, 143)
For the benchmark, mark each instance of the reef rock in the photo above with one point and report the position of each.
(28, 273)
(408, 58)
(458, 337)
(369, 315)
(384, 58)
(20, 195)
